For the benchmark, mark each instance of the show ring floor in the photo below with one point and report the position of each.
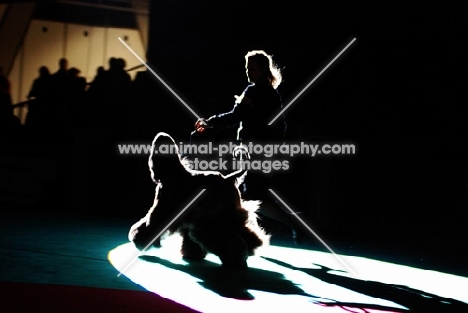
(282, 279)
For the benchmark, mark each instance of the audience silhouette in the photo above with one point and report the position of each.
(76, 115)
(60, 94)
(109, 94)
(64, 99)
(7, 119)
(39, 105)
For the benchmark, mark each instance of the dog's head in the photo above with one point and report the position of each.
(165, 162)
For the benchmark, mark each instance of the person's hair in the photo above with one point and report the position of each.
(44, 70)
(74, 71)
(266, 64)
(63, 62)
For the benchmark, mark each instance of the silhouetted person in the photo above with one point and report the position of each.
(109, 95)
(95, 97)
(8, 121)
(61, 82)
(76, 106)
(253, 110)
(256, 106)
(39, 107)
(5, 93)
(96, 84)
(62, 72)
(119, 80)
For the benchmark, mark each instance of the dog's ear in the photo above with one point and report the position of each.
(164, 143)
(164, 159)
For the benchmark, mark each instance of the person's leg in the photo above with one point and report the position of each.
(275, 210)
(255, 187)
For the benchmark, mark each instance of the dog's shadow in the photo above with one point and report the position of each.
(413, 299)
(233, 283)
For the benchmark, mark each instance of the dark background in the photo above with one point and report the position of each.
(397, 93)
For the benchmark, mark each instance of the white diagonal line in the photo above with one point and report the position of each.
(160, 79)
(313, 233)
(161, 232)
(311, 82)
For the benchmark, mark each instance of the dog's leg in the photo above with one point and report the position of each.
(254, 238)
(234, 252)
(190, 249)
(231, 249)
(141, 235)
(253, 235)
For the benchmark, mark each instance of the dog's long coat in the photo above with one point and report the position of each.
(219, 221)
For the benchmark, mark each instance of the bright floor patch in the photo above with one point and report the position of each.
(282, 279)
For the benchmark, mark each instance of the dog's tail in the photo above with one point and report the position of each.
(254, 235)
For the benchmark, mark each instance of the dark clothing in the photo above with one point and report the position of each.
(40, 102)
(7, 117)
(41, 87)
(253, 117)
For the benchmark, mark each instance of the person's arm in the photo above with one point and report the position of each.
(223, 120)
(228, 119)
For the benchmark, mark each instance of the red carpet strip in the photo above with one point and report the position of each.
(26, 297)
